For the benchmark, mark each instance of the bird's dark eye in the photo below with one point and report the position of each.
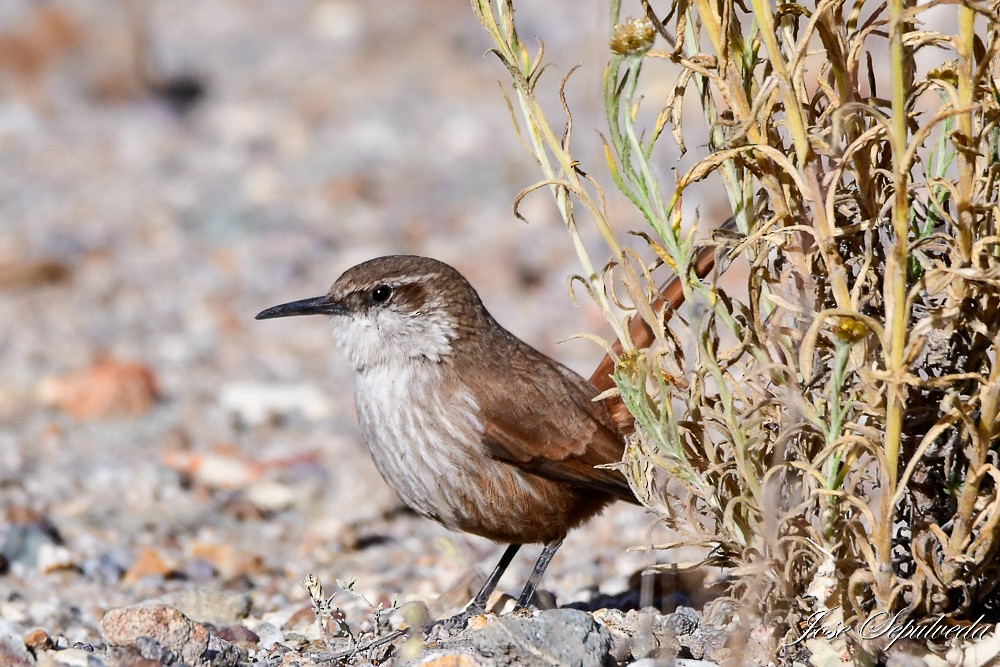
(381, 293)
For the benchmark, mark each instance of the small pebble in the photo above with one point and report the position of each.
(77, 657)
(256, 404)
(268, 635)
(53, 558)
(683, 621)
(174, 631)
(38, 640)
(13, 652)
(104, 568)
(238, 634)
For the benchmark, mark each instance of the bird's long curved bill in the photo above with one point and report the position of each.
(321, 305)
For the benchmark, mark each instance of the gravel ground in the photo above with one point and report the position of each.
(154, 439)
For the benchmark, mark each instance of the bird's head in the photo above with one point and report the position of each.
(395, 310)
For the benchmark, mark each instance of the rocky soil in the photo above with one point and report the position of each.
(172, 470)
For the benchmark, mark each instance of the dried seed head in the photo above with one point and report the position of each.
(628, 365)
(633, 38)
(849, 329)
(945, 73)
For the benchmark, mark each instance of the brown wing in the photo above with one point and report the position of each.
(538, 415)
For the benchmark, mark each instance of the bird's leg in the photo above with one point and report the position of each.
(536, 575)
(478, 604)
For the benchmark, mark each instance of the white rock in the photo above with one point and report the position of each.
(72, 657)
(271, 496)
(255, 403)
(53, 557)
(269, 635)
(12, 646)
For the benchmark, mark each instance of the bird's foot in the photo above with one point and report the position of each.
(456, 623)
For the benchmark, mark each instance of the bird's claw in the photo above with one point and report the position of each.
(456, 623)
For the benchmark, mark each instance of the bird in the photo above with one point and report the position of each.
(470, 426)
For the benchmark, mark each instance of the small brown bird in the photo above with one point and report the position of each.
(471, 426)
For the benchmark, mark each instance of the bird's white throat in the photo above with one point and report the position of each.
(387, 337)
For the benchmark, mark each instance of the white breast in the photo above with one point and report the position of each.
(422, 441)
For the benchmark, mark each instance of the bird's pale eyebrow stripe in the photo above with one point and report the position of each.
(413, 280)
(408, 281)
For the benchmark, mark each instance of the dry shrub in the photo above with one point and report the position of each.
(840, 451)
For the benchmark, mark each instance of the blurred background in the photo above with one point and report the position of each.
(167, 170)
